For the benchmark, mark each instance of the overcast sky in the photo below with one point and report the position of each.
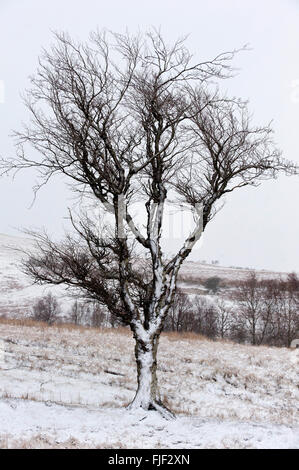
(257, 227)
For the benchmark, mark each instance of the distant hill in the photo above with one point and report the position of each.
(17, 292)
(204, 271)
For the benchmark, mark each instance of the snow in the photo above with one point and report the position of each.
(120, 428)
(68, 387)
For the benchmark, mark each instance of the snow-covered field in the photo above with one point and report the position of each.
(64, 386)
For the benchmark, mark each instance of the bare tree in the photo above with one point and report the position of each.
(77, 312)
(287, 315)
(46, 309)
(136, 119)
(205, 317)
(180, 316)
(251, 306)
(225, 320)
(259, 308)
(98, 316)
(267, 311)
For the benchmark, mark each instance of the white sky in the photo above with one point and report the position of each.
(257, 227)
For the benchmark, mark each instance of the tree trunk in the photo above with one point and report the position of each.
(253, 334)
(147, 395)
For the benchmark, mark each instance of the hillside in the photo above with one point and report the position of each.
(67, 387)
(204, 271)
(17, 292)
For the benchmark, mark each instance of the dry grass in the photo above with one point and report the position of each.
(41, 441)
(71, 327)
(28, 322)
(124, 331)
(188, 335)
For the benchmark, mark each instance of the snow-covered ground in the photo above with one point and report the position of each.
(68, 387)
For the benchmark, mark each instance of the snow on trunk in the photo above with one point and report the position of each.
(147, 395)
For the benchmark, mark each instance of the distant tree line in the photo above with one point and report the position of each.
(251, 311)
(47, 309)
